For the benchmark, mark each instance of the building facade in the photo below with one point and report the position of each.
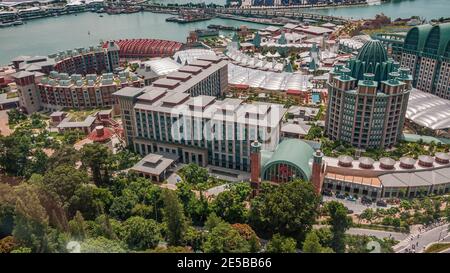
(181, 115)
(367, 99)
(426, 52)
(59, 90)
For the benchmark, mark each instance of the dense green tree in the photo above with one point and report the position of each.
(289, 209)
(173, 217)
(228, 205)
(249, 235)
(104, 226)
(30, 220)
(325, 236)
(225, 239)
(314, 133)
(77, 227)
(137, 197)
(90, 201)
(312, 243)
(36, 121)
(15, 116)
(122, 206)
(64, 180)
(212, 221)
(170, 249)
(194, 174)
(38, 163)
(447, 213)
(22, 250)
(195, 208)
(102, 245)
(280, 244)
(141, 234)
(124, 159)
(97, 157)
(14, 152)
(193, 238)
(64, 155)
(7, 244)
(70, 137)
(360, 244)
(339, 222)
(368, 215)
(7, 208)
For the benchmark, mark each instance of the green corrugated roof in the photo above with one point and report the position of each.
(372, 52)
(422, 33)
(444, 37)
(291, 151)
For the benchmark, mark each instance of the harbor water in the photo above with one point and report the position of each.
(53, 34)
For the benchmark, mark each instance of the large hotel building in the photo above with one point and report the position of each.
(368, 99)
(57, 91)
(426, 52)
(182, 115)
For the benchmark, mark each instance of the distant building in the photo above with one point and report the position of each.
(426, 52)
(368, 99)
(59, 90)
(146, 48)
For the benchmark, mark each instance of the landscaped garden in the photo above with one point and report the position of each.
(199, 178)
(423, 211)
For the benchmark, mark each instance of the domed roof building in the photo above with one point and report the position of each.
(368, 98)
(372, 58)
(291, 159)
(426, 52)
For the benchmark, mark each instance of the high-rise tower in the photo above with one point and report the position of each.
(368, 99)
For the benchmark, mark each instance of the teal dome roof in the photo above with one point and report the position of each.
(293, 152)
(372, 52)
(372, 58)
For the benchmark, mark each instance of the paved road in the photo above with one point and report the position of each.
(377, 233)
(216, 190)
(420, 240)
(356, 206)
(173, 178)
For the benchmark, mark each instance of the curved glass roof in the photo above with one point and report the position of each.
(267, 79)
(245, 60)
(428, 110)
(162, 66)
(189, 55)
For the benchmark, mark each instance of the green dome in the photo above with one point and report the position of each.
(293, 152)
(372, 52)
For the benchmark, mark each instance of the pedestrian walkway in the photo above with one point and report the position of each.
(380, 234)
(421, 237)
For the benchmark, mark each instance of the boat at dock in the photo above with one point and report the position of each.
(220, 27)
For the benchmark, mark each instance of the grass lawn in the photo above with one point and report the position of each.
(436, 248)
(56, 135)
(81, 115)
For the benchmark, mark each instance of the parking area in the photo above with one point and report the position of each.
(356, 206)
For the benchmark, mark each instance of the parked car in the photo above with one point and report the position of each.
(340, 196)
(366, 200)
(351, 198)
(349, 211)
(327, 193)
(381, 203)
